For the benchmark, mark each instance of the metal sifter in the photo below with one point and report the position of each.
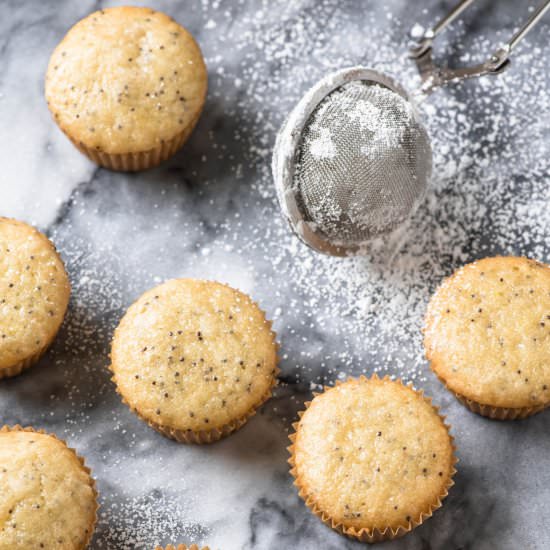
(352, 160)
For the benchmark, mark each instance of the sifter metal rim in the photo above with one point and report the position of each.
(286, 148)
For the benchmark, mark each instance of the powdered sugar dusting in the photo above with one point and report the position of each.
(322, 147)
(335, 317)
(144, 522)
(212, 213)
(369, 116)
(487, 136)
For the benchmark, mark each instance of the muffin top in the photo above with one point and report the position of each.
(48, 500)
(194, 355)
(34, 292)
(125, 80)
(487, 332)
(372, 454)
(182, 547)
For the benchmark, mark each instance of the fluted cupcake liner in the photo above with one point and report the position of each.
(365, 534)
(133, 162)
(490, 411)
(204, 436)
(26, 363)
(215, 434)
(18, 428)
(19, 367)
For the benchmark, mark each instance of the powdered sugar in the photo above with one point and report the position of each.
(484, 137)
(322, 147)
(212, 213)
(144, 522)
(335, 317)
(367, 115)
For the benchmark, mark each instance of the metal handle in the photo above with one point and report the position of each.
(434, 76)
(427, 39)
(533, 20)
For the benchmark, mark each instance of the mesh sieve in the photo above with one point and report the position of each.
(351, 162)
(362, 165)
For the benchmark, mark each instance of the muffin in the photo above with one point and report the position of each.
(182, 547)
(34, 295)
(487, 336)
(372, 458)
(127, 86)
(48, 498)
(194, 359)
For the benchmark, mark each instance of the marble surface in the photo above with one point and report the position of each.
(211, 212)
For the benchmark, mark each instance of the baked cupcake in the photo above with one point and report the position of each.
(372, 458)
(487, 336)
(127, 86)
(182, 547)
(34, 295)
(48, 498)
(194, 359)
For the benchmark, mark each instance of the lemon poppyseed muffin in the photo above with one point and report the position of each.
(34, 295)
(194, 359)
(48, 498)
(372, 458)
(127, 86)
(487, 336)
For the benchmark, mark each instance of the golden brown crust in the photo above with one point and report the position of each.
(34, 295)
(337, 466)
(194, 359)
(486, 336)
(31, 540)
(127, 85)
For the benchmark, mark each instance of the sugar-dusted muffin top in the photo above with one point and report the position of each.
(194, 355)
(47, 500)
(126, 79)
(34, 292)
(487, 332)
(372, 454)
(182, 547)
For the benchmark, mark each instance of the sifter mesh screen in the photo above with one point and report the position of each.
(362, 164)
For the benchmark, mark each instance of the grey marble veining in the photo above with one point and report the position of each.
(211, 212)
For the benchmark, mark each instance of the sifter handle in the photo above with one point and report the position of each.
(434, 76)
(531, 22)
(427, 39)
